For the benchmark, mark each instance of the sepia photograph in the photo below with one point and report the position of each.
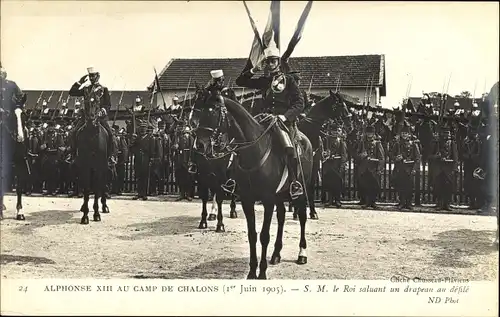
(241, 140)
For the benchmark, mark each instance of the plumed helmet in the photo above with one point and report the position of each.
(272, 52)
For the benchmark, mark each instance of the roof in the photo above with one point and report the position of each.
(465, 103)
(354, 71)
(128, 98)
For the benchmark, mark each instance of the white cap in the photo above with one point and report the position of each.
(217, 73)
(91, 70)
(45, 125)
(271, 52)
(175, 98)
(77, 103)
(456, 104)
(44, 102)
(138, 99)
(58, 126)
(474, 105)
(64, 104)
(69, 127)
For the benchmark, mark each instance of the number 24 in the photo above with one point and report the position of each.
(23, 288)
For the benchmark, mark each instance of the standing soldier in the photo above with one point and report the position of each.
(470, 154)
(50, 158)
(334, 165)
(282, 96)
(445, 164)
(406, 155)
(142, 147)
(64, 164)
(371, 165)
(122, 160)
(156, 165)
(165, 160)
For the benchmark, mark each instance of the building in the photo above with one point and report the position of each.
(52, 97)
(352, 74)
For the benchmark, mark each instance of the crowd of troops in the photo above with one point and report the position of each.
(370, 138)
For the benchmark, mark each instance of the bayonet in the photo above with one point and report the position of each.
(310, 85)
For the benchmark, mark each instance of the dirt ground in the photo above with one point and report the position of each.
(156, 239)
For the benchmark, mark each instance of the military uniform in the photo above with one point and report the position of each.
(143, 148)
(122, 159)
(406, 155)
(334, 159)
(444, 164)
(371, 165)
(156, 165)
(80, 90)
(51, 155)
(283, 98)
(34, 161)
(470, 154)
(165, 159)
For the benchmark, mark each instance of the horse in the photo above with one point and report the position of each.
(259, 170)
(92, 161)
(213, 170)
(183, 161)
(14, 152)
(330, 107)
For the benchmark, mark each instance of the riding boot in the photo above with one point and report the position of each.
(229, 186)
(296, 188)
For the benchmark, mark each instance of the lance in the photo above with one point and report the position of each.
(310, 85)
(159, 89)
(337, 88)
(371, 89)
(118, 107)
(185, 96)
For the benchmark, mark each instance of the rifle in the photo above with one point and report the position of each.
(36, 104)
(57, 106)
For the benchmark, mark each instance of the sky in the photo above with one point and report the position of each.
(47, 45)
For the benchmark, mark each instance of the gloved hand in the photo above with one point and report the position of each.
(282, 118)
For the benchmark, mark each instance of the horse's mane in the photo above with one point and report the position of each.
(241, 114)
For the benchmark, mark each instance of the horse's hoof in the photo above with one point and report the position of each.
(314, 216)
(233, 215)
(212, 217)
(295, 217)
(85, 220)
(20, 217)
(105, 210)
(301, 260)
(202, 225)
(262, 276)
(251, 276)
(275, 259)
(97, 217)
(220, 228)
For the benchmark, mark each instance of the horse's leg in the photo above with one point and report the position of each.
(220, 217)
(264, 238)
(293, 207)
(278, 245)
(212, 215)
(301, 205)
(99, 192)
(21, 178)
(85, 206)
(249, 210)
(233, 214)
(203, 192)
(105, 208)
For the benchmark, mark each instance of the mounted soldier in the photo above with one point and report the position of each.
(92, 91)
(283, 98)
(406, 156)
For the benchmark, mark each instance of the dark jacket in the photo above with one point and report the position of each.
(288, 102)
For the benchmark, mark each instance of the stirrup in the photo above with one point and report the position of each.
(192, 169)
(296, 190)
(229, 186)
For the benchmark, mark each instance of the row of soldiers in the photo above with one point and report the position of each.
(381, 138)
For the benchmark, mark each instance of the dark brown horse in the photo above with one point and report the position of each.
(259, 169)
(14, 152)
(213, 169)
(92, 161)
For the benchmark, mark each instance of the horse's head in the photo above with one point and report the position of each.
(210, 116)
